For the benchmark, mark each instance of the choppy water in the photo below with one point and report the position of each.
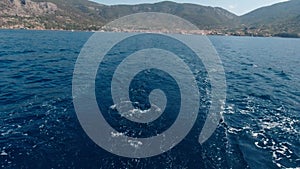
(39, 127)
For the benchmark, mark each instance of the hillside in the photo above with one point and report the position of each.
(282, 19)
(279, 18)
(201, 16)
(52, 14)
(86, 15)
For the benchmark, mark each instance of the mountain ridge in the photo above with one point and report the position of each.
(282, 17)
(87, 15)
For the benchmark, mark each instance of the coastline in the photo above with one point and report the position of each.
(200, 32)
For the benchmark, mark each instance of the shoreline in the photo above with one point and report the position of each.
(216, 34)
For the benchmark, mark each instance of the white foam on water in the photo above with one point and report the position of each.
(233, 130)
(116, 134)
(229, 109)
(286, 124)
(7, 132)
(113, 107)
(263, 126)
(3, 153)
(135, 143)
(131, 113)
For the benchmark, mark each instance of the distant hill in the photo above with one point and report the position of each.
(86, 15)
(282, 19)
(279, 18)
(202, 16)
(50, 14)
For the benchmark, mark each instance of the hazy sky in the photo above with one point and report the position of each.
(238, 7)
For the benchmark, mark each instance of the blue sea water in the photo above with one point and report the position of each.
(39, 127)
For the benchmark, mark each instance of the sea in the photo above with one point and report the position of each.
(39, 128)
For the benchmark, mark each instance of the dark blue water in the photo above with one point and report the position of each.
(39, 127)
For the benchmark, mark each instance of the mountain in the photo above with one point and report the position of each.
(278, 18)
(282, 19)
(50, 14)
(202, 16)
(87, 15)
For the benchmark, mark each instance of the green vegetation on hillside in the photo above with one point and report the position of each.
(282, 19)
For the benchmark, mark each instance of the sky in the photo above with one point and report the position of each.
(238, 7)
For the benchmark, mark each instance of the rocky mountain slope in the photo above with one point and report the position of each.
(52, 14)
(279, 18)
(201, 16)
(282, 19)
(86, 15)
